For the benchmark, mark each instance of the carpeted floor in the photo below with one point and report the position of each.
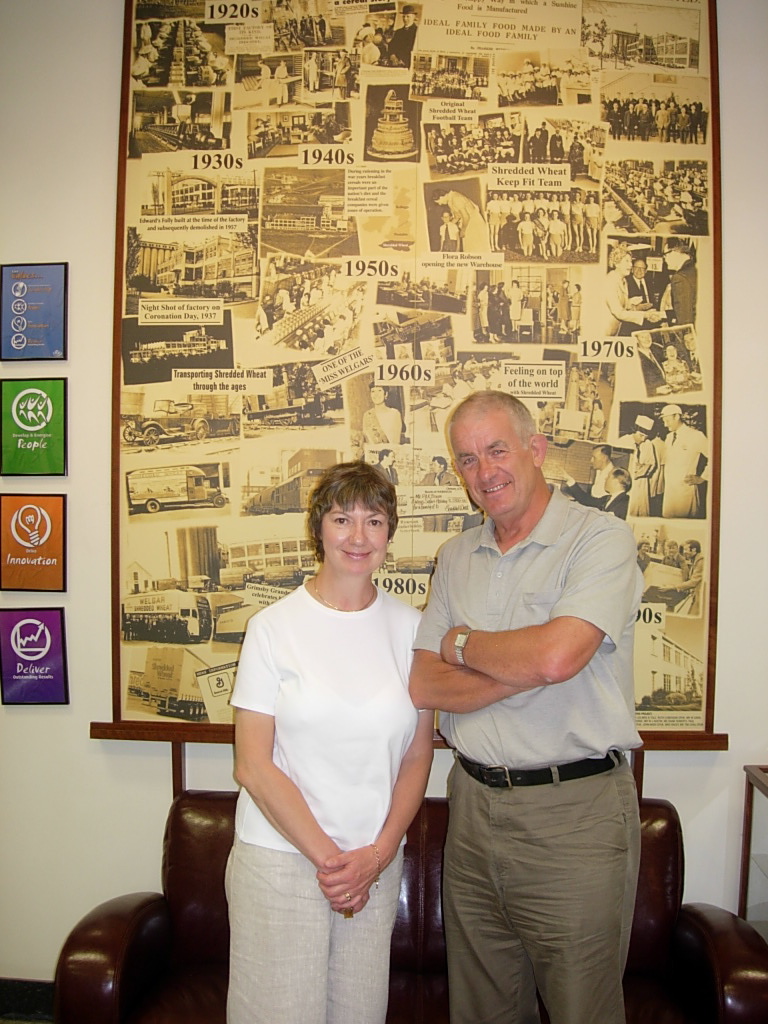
(22, 1002)
(17, 1017)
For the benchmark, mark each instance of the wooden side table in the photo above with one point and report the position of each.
(753, 886)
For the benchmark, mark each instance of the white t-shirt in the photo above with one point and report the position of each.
(337, 686)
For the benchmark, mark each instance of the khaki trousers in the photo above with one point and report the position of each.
(538, 891)
(293, 960)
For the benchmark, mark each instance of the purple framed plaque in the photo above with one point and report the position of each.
(33, 657)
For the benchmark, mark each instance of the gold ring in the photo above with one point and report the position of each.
(347, 897)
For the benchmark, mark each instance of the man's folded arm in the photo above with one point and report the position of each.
(438, 686)
(498, 665)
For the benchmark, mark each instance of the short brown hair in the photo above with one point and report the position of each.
(344, 486)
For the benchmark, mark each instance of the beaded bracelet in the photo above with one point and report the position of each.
(378, 864)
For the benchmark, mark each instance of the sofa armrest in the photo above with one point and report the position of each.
(720, 966)
(111, 957)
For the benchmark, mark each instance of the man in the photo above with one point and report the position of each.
(403, 39)
(662, 122)
(603, 466)
(386, 464)
(680, 295)
(643, 466)
(538, 144)
(526, 646)
(691, 356)
(684, 460)
(616, 497)
(439, 474)
(637, 286)
(556, 149)
(651, 366)
(281, 82)
(693, 571)
(684, 596)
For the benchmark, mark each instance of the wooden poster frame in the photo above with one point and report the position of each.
(206, 120)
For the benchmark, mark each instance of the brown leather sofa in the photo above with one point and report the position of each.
(151, 958)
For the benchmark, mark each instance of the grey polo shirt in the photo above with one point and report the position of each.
(577, 561)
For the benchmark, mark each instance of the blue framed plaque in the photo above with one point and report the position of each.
(33, 311)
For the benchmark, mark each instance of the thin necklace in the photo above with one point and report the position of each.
(328, 604)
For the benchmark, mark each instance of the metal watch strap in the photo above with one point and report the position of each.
(459, 644)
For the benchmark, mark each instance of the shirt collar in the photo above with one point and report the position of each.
(545, 533)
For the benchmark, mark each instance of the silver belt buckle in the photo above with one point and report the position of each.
(505, 769)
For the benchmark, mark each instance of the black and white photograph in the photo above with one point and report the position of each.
(450, 76)
(169, 121)
(443, 290)
(663, 196)
(392, 125)
(649, 36)
(557, 78)
(420, 335)
(307, 310)
(149, 421)
(180, 52)
(455, 218)
(303, 214)
(279, 134)
(182, 489)
(651, 282)
(545, 226)
(509, 307)
(292, 399)
(664, 109)
(674, 565)
(155, 353)
(679, 434)
(268, 81)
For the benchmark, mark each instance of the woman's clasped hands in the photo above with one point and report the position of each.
(346, 878)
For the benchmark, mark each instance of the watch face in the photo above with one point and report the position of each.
(461, 639)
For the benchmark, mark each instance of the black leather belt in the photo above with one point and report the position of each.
(501, 777)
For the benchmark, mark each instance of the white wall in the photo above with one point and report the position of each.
(82, 819)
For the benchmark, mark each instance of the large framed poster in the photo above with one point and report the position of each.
(337, 219)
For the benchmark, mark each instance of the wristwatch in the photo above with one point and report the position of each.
(459, 644)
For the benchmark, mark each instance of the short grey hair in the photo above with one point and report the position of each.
(479, 401)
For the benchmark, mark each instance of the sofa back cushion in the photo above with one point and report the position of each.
(659, 888)
(198, 838)
(418, 943)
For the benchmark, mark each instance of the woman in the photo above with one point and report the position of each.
(525, 234)
(482, 300)
(577, 222)
(574, 315)
(619, 310)
(341, 75)
(592, 221)
(596, 422)
(541, 232)
(497, 218)
(556, 230)
(675, 370)
(503, 305)
(516, 301)
(466, 213)
(333, 761)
